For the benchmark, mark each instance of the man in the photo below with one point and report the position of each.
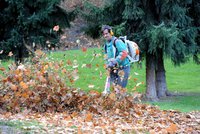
(116, 57)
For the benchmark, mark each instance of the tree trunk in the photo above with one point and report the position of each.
(161, 85)
(19, 55)
(150, 78)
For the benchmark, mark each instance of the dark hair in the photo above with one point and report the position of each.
(104, 27)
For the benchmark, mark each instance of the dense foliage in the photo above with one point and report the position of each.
(30, 23)
(194, 11)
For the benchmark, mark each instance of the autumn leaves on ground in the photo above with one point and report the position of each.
(37, 90)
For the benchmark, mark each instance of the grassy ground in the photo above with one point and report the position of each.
(92, 76)
(91, 69)
(180, 79)
(184, 79)
(17, 126)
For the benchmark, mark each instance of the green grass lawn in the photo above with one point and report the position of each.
(185, 103)
(184, 78)
(181, 79)
(91, 69)
(17, 126)
(92, 76)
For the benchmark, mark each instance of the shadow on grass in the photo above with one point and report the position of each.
(184, 102)
(9, 130)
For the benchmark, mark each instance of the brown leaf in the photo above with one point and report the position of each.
(88, 117)
(71, 80)
(56, 28)
(10, 54)
(172, 128)
(93, 110)
(25, 95)
(39, 52)
(79, 131)
(74, 114)
(23, 85)
(112, 96)
(13, 87)
(100, 74)
(94, 93)
(121, 73)
(89, 65)
(6, 97)
(68, 118)
(84, 49)
(27, 72)
(2, 69)
(135, 79)
(134, 88)
(97, 65)
(117, 111)
(69, 62)
(42, 79)
(64, 71)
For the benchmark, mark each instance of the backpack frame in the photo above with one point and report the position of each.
(133, 49)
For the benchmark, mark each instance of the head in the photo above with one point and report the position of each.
(107, 32)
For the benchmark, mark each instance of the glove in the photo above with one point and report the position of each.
(112, 63)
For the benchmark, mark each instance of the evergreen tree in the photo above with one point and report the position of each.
(161, 28)
(194, 11)
(30, 22)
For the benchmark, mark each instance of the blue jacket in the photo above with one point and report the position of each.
(120, 50)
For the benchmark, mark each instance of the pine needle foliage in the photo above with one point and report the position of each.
(31, 21)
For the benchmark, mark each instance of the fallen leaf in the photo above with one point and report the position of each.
(39, 52)
(21, 67)
(88, 117)
(138, 84)
(69, 62)
(135, 79)
(23, 85)
(89, 65)
(83, 65)
(74, 114)
(13, 87)
(1, 51)
(84, 49)
(25, 95)
(91, 86)
(68, 118)
(56, 28)
(63, 37)
(172, 128)
(10, 54)
(2, 69)
(136, 73)
(134, 88)
(112, 96)
(78, 41)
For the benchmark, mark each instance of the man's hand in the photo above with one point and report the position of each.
(112, 63)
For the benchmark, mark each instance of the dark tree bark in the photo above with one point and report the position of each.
(151, 93)
(161, 85)
(19, 55)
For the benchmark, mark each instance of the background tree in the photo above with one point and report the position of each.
(161, 28)
(29, 23)
(194, 11)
